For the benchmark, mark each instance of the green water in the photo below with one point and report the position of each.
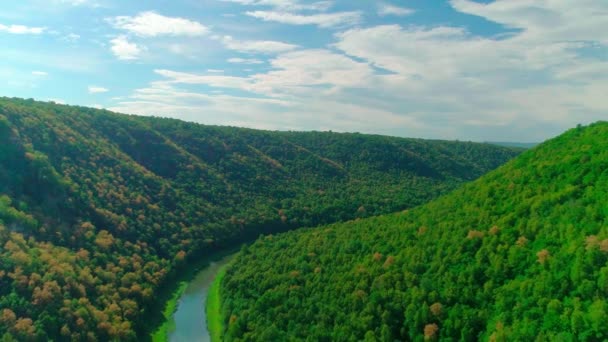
(190, 317)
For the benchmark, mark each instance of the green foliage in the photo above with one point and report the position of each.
(519, 255)
(100, 211)
(160, 334)
(214, 316)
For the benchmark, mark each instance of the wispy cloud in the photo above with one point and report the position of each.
(556, 20)
(532, 83)
(293, 73)
(324, 20)
(76, 2)
(256, 46)
(521, 81)
(387, 9)
(21, 29)
(311, 72)
(71, 38)
(97, 90)
(287, 5)
(237, 60)
(152, 24)
(218, 81)
(541, 68)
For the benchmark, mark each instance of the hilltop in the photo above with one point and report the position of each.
(100, 211)
(520, 254)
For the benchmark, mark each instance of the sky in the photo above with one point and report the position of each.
(494, 70)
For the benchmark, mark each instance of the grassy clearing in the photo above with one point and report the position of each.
(214, 317)
(162, 333)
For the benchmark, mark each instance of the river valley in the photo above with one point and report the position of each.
(190, 316)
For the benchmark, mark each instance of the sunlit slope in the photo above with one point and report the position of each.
(99, 211)
(518, 255)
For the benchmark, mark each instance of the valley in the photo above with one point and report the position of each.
(101, 212)
(303, 170)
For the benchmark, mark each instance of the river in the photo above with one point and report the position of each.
(190, 318)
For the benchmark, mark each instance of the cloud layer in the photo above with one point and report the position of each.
(466, 69)
(444, 80)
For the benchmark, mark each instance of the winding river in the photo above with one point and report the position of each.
(190, 318)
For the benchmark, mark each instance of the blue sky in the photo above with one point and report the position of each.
(516, 70)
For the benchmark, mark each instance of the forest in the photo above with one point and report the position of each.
(520, 254)
(100, 211)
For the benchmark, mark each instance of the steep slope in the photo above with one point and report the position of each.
(518, 255)
(98, 211)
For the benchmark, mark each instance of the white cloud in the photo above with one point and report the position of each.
(287, 5)
(387, 9)
(553, 19)
(262, 113)
(294, 73)
(530, 82)
(97, 90)
(219, 81)
(75, 2)
(584, 71)
(301, 82)
(413, 51)
(40, 73)
(256, 46)
(306, 70)
(71, 38)
(237, 60)
(151, 24)
(215, 108)
(21, 29)
(324, 20)
(548, 73)
(215, 71)
(123, 49)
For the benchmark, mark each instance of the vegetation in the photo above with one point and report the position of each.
(215, 324)
(518, 255)
(99, 211)
(161, 333)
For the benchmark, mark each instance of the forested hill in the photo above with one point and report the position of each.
(99, 210)
(519, 255)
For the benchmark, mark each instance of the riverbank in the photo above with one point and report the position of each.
(162, 333)
(176, 290)
(191, 323)
(214, 314)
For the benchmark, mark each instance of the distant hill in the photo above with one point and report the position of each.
(521, 254)
(512, 144)
(99, 211)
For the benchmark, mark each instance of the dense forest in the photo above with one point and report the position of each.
(99, 211)
(519, 255)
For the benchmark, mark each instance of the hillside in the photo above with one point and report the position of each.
(519, 255)
(99, 211)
